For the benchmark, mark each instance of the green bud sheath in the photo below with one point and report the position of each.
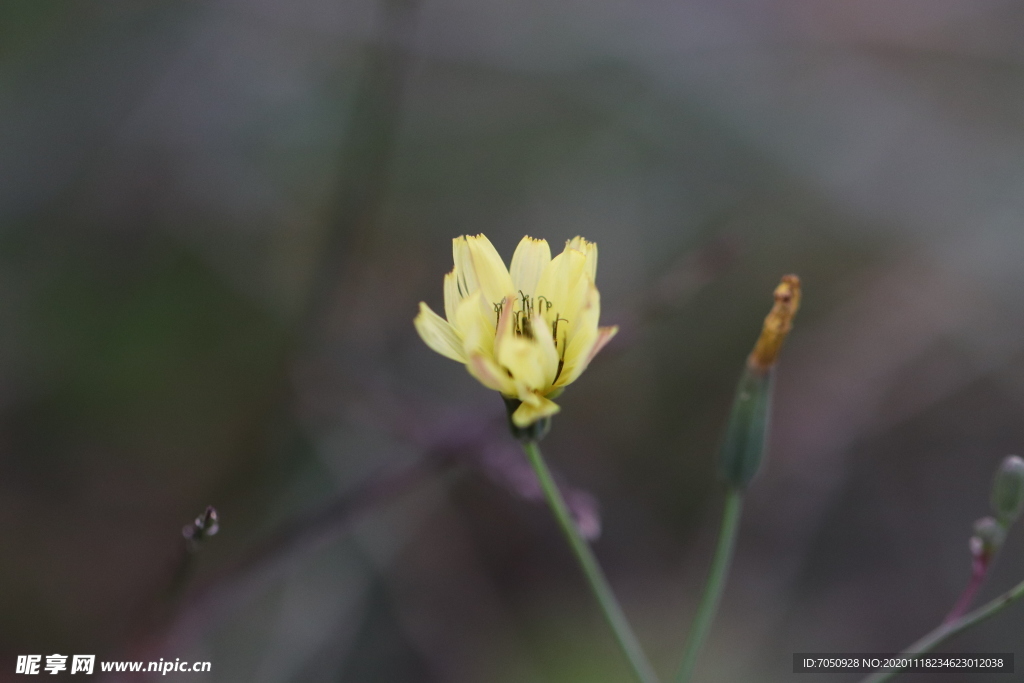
(1008, 490)
(746, 434)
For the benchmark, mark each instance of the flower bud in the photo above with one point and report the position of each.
(746, 433)
(988, 538)
(1008, 490)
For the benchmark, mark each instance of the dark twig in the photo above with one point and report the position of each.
(195, 533)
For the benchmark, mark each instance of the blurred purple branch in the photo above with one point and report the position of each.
(503, 463)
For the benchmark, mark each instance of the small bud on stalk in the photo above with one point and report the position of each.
(1008, 490)
(988, 538)
(747, 431)
(989, 535)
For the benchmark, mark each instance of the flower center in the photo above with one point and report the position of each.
(522, 322)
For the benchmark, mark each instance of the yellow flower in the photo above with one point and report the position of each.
(527, 333)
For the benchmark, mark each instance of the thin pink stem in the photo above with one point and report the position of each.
(979, 570)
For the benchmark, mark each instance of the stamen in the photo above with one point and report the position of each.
(527, 302)
(554, 331)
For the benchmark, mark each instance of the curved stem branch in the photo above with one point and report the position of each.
(716, 583)
(588, 563)
(950, 629)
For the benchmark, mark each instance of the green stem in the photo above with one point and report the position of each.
(715, 585)
(945, 631)
(588, 563)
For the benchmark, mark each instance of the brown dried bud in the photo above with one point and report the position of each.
(777, 325)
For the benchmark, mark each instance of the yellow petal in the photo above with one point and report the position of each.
(588, 249)
(490, 270)
(505, 329)
(529, 261)
(588, 313)
(583, 350)
(583, 306)
(489, 374)
(475, 324)
(465, 274)
(560, 284)
(451, 296)
(583, 334)
(574, 360)
(525, 394)
(563, 271)
(438, 334)
(524, 358)
(549, 354)
(528, 413)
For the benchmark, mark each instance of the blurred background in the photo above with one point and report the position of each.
(217, 220)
